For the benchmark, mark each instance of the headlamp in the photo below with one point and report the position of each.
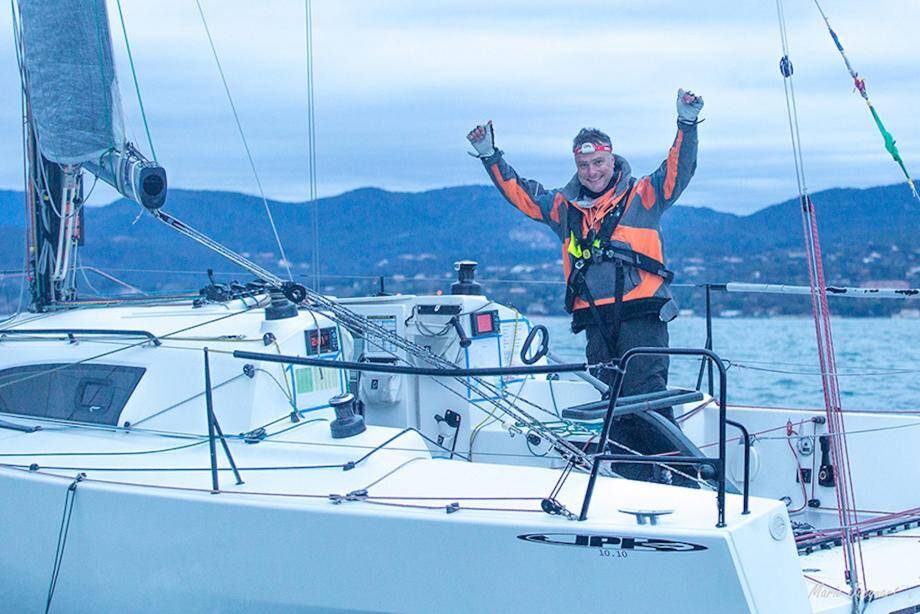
(586, 148)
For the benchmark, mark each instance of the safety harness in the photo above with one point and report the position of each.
(598, 247)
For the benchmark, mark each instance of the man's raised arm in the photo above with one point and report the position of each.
(527, 195)
(670, 179)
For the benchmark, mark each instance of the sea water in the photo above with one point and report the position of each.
(774, 361)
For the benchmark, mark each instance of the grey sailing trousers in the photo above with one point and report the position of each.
(644, 374)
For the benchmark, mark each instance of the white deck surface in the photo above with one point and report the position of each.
(892, 566)
(403, 470)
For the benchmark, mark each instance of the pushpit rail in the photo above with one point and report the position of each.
(716, 464)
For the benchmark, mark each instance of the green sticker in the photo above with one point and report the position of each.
(312, 379)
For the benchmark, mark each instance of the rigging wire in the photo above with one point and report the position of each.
(188, 399)
(29, 191)
(860, 86)
(854, 570)
(311, 141)
(239, 126)
(89, 284)
(137, 87)
(24, 112)
(27, 206)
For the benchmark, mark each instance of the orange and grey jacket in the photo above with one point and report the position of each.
(638, 230)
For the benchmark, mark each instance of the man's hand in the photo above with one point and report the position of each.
(482, 138)
(688, 106)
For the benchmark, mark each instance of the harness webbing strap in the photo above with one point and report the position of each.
(576, 284)
(640, 261)
(619, 282)
(597, 247)
(610, 343)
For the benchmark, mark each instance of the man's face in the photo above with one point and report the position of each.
(594, 169)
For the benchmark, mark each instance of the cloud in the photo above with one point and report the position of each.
(399, 83)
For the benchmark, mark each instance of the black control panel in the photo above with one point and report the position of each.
(438, 310)
(322, 341)
(484, 323)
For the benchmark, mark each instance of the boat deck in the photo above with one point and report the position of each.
(303, 466)
(307, 464)
(892, 564)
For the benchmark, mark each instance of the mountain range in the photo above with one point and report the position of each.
(867, 235)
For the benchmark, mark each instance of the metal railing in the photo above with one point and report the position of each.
(215, 432)
(71, 334)
(716, 464)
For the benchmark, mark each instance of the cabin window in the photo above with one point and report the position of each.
(94, 393)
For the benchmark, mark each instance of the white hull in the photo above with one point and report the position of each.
(147, 534)
(143, 549)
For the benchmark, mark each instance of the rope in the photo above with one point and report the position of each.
(137, 87)
(879, 429)
(799, 472)
(63, 531)
(117, 350)
(187, 400)
(392, 471)
(854, 570)
(878, 372)
(125, 453)
(454, 507)
(239, 127)
(326, 496)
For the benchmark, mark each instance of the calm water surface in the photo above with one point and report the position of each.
(774, 361)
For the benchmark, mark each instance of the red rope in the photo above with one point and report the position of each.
(846, 502)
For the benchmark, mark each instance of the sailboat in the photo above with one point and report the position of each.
(264, 447)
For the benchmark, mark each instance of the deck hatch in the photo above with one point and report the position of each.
(94, 393)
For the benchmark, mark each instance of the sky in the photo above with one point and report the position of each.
(398, 84)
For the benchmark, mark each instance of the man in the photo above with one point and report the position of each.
(610, 226)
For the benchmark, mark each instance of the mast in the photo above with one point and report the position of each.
(43, 190)
(73, 123)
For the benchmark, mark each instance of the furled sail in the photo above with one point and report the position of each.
(70, 79)
(72, 89)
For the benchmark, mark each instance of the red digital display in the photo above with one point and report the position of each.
(323, 341)
(484, 323)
